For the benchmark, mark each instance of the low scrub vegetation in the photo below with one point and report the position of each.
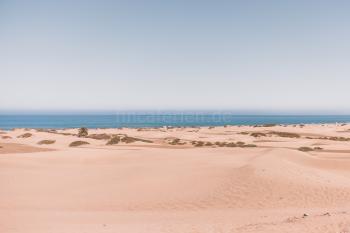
(209, 144)
(340, 139)
(258, 134)
(114, 140)
(230, 144)
(26, 135)
(78, 143)
(6, 137)
(249, 145)
(175, 141)
(83, 132)
(266, 125)
(102, 136)
(46, 130)
(128, 139)
(305, 149)
(244, 133)
(198, 143)
(221, 144)
(285, 134)
(46, 142)
(240, 143)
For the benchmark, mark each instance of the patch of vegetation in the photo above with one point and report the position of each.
(175, 141)
(305, 149)
(83, 132)
(128, 139)
(340, 139)
(78, 143)
(46, 130)
(318, 148)
(240, 143)
(46, 142)
(230, 144)
(198, 143)
(102, 136)
(249, 145)
(220, 144)
(26, 135)
(244, 133)
(6, 137)
(209, 144)
(258, 134)
(266, 125)
(114, 140)
(285, 134)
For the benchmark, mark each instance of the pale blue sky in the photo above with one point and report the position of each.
(237, 55)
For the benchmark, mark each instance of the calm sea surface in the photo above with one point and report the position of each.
(132, 120)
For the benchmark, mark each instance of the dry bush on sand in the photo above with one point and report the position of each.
(258, 134)
(102, 136)
(128, 139)
(78, 143)
(305, 149)
(46, 142)
(83, 132)
(26, 135)
(114, 140)
(285, 134)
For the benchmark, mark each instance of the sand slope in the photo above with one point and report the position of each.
(155, 187)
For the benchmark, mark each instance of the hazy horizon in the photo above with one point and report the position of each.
(277, 57)
(177, 112)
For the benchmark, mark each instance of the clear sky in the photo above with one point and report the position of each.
(116, 55)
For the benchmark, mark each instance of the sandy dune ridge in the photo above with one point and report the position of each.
(276, 186)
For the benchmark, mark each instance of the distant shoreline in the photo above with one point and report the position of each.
(158, 121)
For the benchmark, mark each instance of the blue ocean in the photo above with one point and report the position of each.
(157, 120)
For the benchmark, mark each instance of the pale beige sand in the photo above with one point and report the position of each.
(156, 187)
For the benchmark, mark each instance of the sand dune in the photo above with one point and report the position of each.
(157, 187)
